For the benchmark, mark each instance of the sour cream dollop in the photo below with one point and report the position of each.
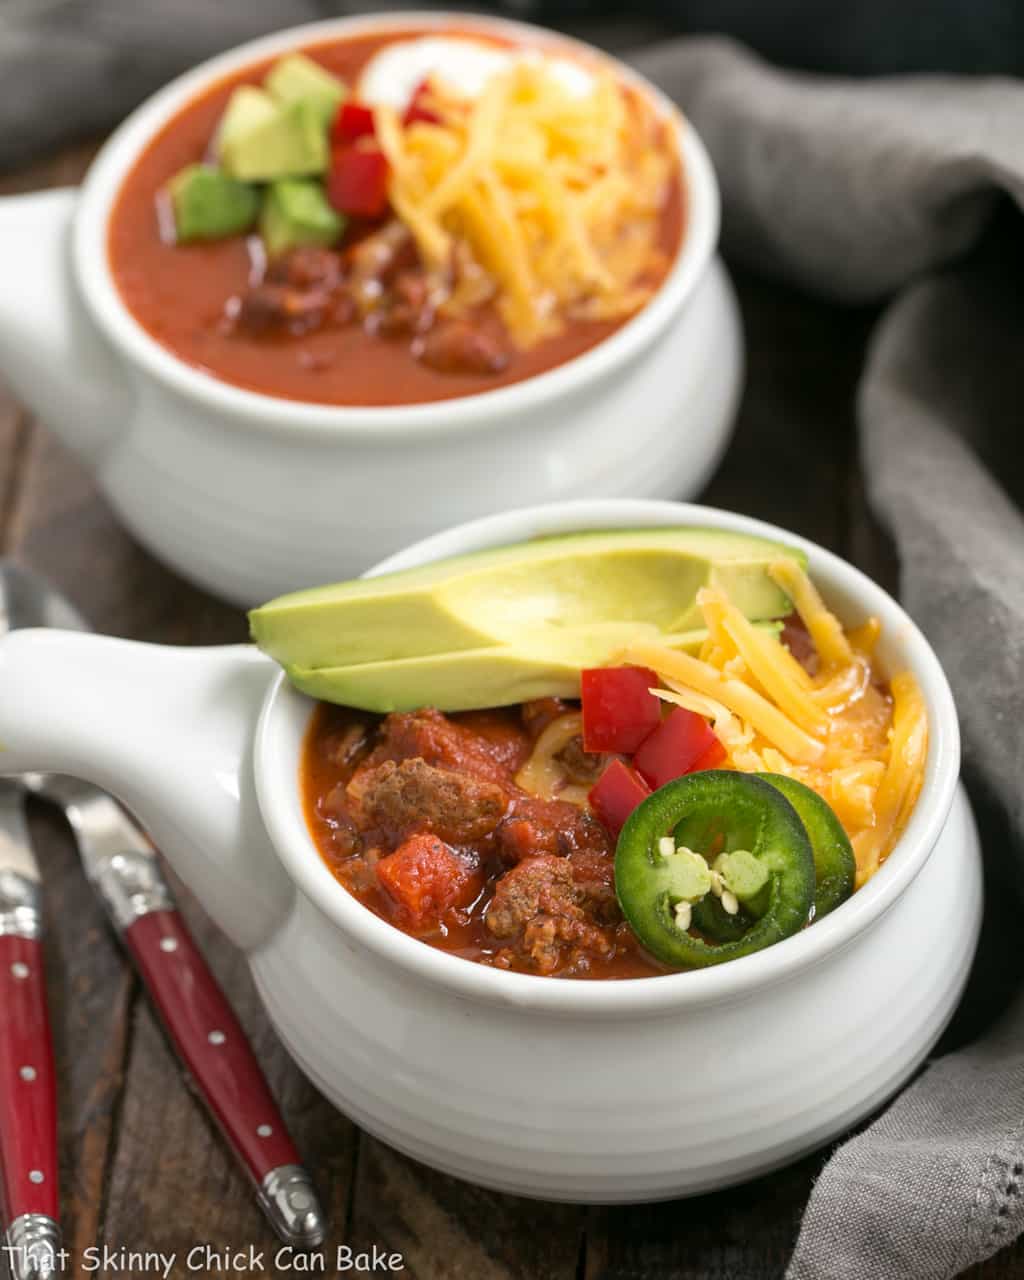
(463, 64)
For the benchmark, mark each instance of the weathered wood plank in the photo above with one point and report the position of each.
(745, 1233)
(63, 169)
(14, 434)
(446, 1229)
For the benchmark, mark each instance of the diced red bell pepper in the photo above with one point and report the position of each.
(418, 110)
(615, 795)
(711, 758)
(358, 181)
(353, 120)
(674, 748)
(619, 711)
(423, 877)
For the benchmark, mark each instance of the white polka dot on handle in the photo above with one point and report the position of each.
(216, 1037)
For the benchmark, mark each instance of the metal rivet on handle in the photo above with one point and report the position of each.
(300, 1200)
(20, 970)
(216, 1037)
(168, 944)
(36, 1177)
(264, 1130)
(27, 1073)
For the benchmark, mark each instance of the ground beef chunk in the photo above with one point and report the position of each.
(307, 267)
(447, 744)
(539, 908)
(459, 347)
(537, 826)
(584, 767)
(593, 874)
(269, 308)
(416, 796)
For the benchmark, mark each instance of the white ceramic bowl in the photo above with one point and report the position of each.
(562, 1089)
(250, 495)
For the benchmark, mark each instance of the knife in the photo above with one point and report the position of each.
(28, 1093)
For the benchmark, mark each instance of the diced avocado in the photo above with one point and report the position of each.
(298, 78)
(493, 598)
(295, 212)
(248, 108)
(208, 204)
(289, 143)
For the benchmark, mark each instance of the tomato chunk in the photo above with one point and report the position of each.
(619, 711)
(616, 794)
(354, 120)
(711, 758)
(358, 181)
(418, 110)
(674, 747)
(423, 877)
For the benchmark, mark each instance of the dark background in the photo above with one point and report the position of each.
(860, 37)
(71, 69)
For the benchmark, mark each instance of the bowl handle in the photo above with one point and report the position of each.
(50, 351)
(170, 732)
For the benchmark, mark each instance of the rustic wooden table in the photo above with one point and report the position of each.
(141, 1167)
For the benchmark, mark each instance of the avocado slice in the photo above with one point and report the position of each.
(298, 78)
(295, 212)
(538, 665)
(209, 205)
(494, 597)
(290, 142)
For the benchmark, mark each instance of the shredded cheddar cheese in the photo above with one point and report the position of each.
(557, 194)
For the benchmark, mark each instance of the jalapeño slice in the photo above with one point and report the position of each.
(834, 864)
(714, 813)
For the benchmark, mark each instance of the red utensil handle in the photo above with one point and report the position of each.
(210, 1041)
(28, 1095)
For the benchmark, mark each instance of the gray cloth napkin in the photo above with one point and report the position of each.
(858, 191)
